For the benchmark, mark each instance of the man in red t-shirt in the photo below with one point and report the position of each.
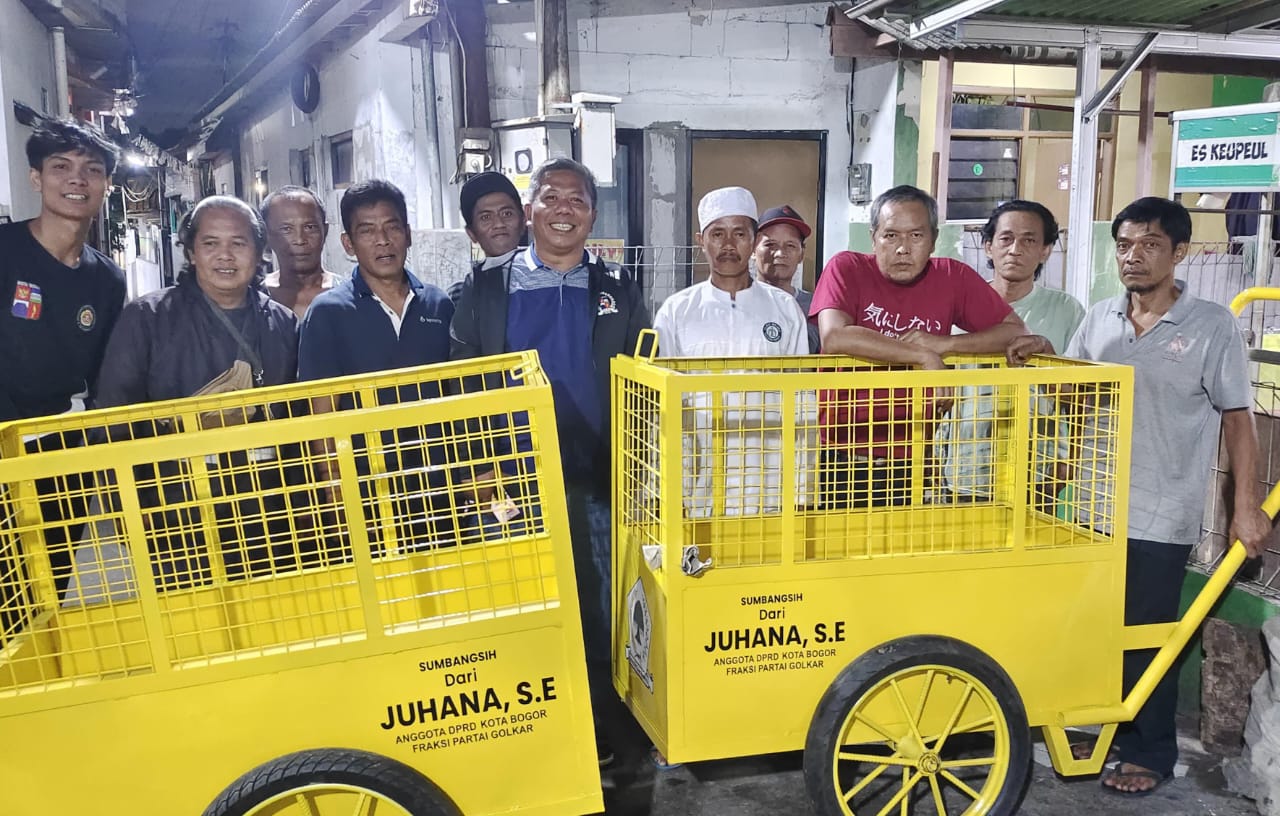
(897, 306)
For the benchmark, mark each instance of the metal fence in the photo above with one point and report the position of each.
(1218, 272)
(1054, 274)
(662, 271)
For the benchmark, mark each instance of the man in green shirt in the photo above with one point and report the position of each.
(1018, 239)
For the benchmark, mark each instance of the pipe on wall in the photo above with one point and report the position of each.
(551, 19)
(432, 118)
(467, 21)
(62, 105)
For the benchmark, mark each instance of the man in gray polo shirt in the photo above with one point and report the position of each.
(1190, 378)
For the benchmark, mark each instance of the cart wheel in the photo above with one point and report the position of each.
(925, 722)
(331, 781)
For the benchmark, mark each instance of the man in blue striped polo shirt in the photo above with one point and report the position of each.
(563, 301)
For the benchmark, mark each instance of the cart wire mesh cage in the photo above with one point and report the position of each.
(760, 461)
(174, 535)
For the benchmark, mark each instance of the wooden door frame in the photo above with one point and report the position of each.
(819, 136)
(633, 139)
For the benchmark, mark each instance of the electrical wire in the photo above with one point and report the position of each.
(138, 197)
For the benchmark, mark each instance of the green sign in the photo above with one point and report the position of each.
(1228, 153)
(977, 170)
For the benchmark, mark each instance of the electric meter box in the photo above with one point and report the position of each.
(523, 144)
(594, 136)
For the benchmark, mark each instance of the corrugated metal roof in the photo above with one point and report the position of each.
(898, 27)
(1255, 17)
(1171, 13)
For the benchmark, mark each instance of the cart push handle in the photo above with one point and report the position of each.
(1178, 637)
(1183, 631)
(1252, 295)
(648, 340)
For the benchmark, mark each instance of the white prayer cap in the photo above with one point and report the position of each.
(724, 202)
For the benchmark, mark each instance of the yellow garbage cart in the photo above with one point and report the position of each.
(898, 572)
(352, 597)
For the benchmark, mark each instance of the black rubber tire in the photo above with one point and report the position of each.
(865, 672)
(382, 775)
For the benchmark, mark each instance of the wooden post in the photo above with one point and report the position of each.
(551, 18)
(1146, 130)
(942, 134)
(1084, 171)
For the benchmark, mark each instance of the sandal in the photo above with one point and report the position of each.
(660, 762)
(1137, 772)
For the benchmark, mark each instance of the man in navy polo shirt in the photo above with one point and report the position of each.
(561, 300)
(383, 318)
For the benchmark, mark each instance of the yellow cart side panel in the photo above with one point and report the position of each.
(776, 646)
(643, 677)
(172, 751)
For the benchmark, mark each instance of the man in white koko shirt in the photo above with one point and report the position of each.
(729, 314)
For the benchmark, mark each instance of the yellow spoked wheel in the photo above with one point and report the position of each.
(327, 799)
(925, 726)
(332, 782)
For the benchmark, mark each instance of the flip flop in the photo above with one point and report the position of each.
(660, 762)
(1142, 773)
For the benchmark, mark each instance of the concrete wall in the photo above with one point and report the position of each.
(873, 113)
(692, 65)
(26, 68)
(224, 178)
(373, 90)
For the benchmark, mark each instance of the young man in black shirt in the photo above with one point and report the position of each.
(62, 299)
(63, 296)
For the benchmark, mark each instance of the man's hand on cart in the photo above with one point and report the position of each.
(478, 488)
(935, 343)
(1251, 526)
(1021, 349)
(932, 348)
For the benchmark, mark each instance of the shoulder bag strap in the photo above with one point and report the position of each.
(251, 354)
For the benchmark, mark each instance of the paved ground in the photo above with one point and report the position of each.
(773, 785)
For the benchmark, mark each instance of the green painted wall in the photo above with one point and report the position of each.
(1237, 90)
(906, 138)
(859, 237)
(1104, 280)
